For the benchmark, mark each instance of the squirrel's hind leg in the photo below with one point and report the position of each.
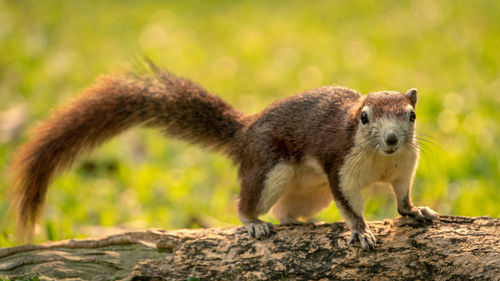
(302, 202)
(260, 190)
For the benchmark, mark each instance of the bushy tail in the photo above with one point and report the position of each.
(113, 105)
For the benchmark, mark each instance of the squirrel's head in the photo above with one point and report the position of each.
(387, 121)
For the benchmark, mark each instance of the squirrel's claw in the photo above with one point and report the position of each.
(365, 237)
(428, 213)
(422, 213)
(259, 229)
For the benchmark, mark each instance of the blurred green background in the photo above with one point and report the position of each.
(250, 53)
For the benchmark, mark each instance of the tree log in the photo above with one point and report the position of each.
(452, 248)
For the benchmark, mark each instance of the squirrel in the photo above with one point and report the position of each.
(294, 158)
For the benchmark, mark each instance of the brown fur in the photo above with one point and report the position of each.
(320, 123)
(384, 102)
(177, 105)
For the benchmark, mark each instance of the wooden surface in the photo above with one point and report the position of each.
(453, 248)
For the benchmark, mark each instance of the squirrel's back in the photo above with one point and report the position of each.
(296, 125)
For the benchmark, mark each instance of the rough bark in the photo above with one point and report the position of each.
(453, 248)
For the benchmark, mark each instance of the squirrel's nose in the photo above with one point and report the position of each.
(391, 139)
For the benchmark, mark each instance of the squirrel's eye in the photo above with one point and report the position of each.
(413, 116)
(364, 117)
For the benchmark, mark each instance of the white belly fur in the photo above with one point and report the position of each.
(295, 190)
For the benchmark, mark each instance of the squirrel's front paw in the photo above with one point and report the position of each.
(365, 237)
(259, 229)
(421, 213)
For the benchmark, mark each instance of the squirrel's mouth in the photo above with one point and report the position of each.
(390, 151)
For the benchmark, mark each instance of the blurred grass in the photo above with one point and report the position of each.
(251, 53)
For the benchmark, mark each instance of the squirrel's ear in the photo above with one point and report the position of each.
(411, 94)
